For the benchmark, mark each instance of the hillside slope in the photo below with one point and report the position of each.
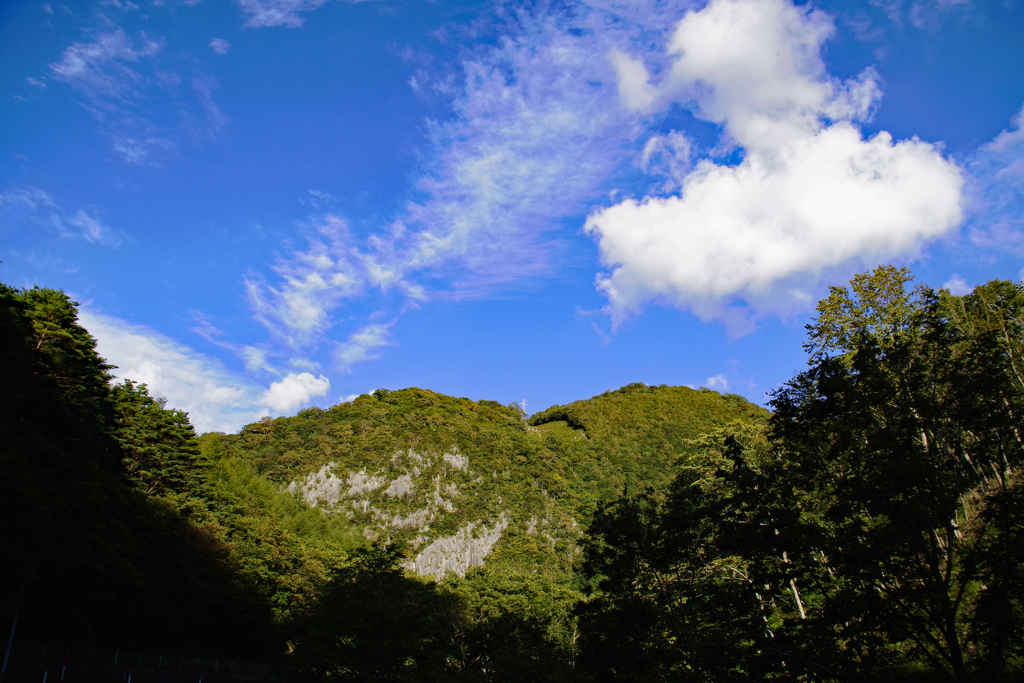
(459, 480)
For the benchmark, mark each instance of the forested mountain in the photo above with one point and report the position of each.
(452, 476)
(868, 528)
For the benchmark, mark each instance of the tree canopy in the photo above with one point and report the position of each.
(872, 529)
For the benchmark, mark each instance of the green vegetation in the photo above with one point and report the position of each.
(868, 528)
(873, 530)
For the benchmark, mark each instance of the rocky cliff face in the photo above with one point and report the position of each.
(416, 495)
(466, 548)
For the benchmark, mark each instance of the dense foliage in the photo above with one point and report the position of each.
(873, 530)
(513, 618)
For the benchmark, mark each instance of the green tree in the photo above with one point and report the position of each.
(101, 561)
(374, 622)
(692, 586)
(904, 442)
(519, 624)
(160, 453)
(876, 531)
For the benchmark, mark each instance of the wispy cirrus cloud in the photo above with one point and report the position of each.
(312, 283)
(220, 46)
(120, 80)
(997, 218)
(36, 207)
(100, 69)
(363, 345)
(266, 13)
(536, 131)
(927, 15)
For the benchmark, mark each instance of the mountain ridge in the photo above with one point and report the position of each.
(457, 479)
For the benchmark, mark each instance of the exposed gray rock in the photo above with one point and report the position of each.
(322, 485)
(441, 502)
(458, 552)
(402, 486)
(325, 487)
(410, 454)
(456, 460)
(360, 483)
(408, 492)
(415, 520)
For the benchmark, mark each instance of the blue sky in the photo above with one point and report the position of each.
(268, 204)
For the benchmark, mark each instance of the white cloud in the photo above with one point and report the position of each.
(718, 382)
(220, 46)
(278, 12)
(297, 311)
(121, 82)
(668, 155)
(363, 345)
(39, 208)
(1010, 140)
(294, 391)
(100, 67)
(634, 83)
(957, 286)
(930, 14)
(810, 194)
(190, 381)
(505, 171)
(214, 399)
(997, 220)
(91, 228)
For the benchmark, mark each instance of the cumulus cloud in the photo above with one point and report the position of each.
(718, 382)
(362, 345)
(37, 207)
(957, 286)
(120, 79)
(810, 194)
(294, 391)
